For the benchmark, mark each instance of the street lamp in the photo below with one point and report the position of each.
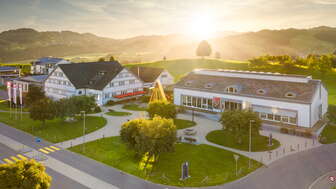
(83, 146)
(250, 141)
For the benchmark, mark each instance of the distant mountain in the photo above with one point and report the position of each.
(25, 43)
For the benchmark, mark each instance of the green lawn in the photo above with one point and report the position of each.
(4, 106)
(133, 107)
(329, 133)
(205, 162)
(225, 138)
(180, 67)
(115, 113)
(182, 123)
(55, 130)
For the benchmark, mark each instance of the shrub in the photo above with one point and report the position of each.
(97, 109)
(180, 109)
(144, 99)
(110, 103)
(163, 109)
(332, 113)
(284, 130)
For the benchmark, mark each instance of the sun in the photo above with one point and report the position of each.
(202, 27)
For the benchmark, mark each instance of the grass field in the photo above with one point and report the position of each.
(208, 165)
(115, 113)
(55, 130)
(133, 107)
(329, 133)
(182, 123)
(179, 68)
(225, 138)
(4, 106)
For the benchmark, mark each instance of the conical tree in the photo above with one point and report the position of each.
(203, 49)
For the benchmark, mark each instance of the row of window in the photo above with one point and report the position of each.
(278, 118)
(57, 91)
(122, 83)
(59, 82)
(112, 94)
(58, 74)
(125, 74)
(209, 104)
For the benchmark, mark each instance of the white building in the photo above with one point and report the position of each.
(46, 65)
(104, 80)
(37, 80)
(150, 75)
(278, 98)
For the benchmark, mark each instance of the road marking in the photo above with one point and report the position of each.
(49, 149)
(7, 160)
(22, 157)
(44, 151)
(14, 158)
(55, 148)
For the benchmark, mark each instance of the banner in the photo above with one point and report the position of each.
(216, 102)
(9, 90)
(14, 93)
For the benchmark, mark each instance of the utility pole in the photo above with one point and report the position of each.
(250, 143)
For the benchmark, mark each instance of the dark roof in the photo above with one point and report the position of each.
(92, 75)
(34, 78)
(146, 74)
(8, 68)
(276, 90)
(48, 60)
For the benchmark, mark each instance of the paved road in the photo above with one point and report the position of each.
(296, 171)
(58, 180)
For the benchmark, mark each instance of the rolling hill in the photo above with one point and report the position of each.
(25, 43)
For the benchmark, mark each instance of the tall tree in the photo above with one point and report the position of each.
(163, 109)
(112, 59)
(34, 94)
(203, 49)
(238, 121)
(149, 137)
(24, 175)
(42, 110)
(102, 59)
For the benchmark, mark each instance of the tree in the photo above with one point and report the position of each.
(24, 175)
(203, 49)
(69, 107)
(42, 110)
(102, 59)
(288, 66)
(258, 62)
(112, 59)
(163, 109)
(34, 94)
(238, 121)
(149, 137)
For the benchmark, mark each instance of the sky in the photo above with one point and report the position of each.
(127, 18)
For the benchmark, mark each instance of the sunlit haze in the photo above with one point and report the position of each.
(197, 18)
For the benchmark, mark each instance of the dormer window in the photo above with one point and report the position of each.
(101, 73)
(261, 91)
(290, 95)
(188, 83)
(231, 90)
(209, 85)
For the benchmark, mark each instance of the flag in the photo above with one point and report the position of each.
(20, 93)
(9, 90)
(14, 93)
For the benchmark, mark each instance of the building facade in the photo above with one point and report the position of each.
(150, 75)
(278, 98)
(25, 82)
(104, 80)
(46, 65)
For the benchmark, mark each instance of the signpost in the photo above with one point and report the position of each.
(236, 157)
(185, 171)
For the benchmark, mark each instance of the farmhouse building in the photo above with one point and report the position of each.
(46, 65)
(104, 80)
(150, 75)
(277, 98)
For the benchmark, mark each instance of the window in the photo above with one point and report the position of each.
(263, 115)
(231, 90)
(184, 100)
(124, 92)
(292, 120)
(290, 95)
(111, 84)
(277, 117)
(79, 92)
(261, 91)
(270, 116)
(285, 119)
(188, 83)
(194, 101)
(121, 83)
(189, 100)
(131, 82)
(163, 76)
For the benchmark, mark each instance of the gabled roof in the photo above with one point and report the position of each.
(91, 75)
(146, 74)
(274, 90)
(48, 60)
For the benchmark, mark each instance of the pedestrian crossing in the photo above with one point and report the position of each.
(49, 149)
(13, 159)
